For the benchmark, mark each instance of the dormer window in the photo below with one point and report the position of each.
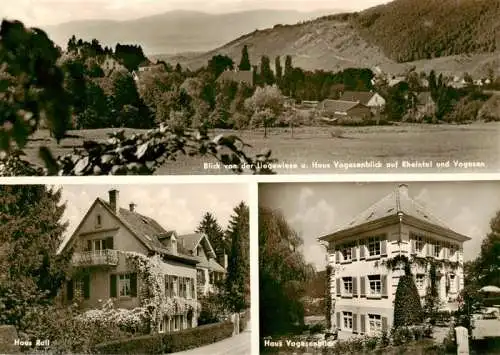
(98, 221)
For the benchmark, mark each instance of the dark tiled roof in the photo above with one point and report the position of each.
(338, 105)
(149, 231)
(398, 201)
(362, 96)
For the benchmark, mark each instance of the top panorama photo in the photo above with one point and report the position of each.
(300, 87)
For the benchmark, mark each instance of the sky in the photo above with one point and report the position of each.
(178, 207)
(49, 12)
(316, 209)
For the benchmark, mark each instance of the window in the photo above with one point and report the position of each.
(175, 287)
(375, 285)
(347, 285)
(374, 323)
(199, 251)
(162, 325)
(347, 252)
(124, 285)
(99, 244)
(347, 316)
(173, 244)
(374, 246)
(437, 249)
(419, 244)
(98, 221)
(419, 281)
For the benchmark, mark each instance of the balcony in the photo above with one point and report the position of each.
(106, 257)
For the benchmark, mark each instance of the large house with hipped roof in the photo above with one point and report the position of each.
(104, 238)
(362, 289)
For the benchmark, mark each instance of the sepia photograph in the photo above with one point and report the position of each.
(381, 267)
(249, 87)
(136, 269)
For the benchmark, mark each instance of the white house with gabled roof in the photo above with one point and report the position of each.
(361, 288)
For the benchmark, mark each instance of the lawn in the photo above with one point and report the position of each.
(332, 147)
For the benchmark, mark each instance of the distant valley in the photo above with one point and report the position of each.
(178, 31)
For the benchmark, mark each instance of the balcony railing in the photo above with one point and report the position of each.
(96, 258)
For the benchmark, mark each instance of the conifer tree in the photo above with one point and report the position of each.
(238, 272)
(209, 226)
(245, 59)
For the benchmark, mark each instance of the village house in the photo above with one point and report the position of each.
(362, 289)
(209, 271)
(110, 64)
(334, 110)
(370, 99)
(238, 76)
(105, 238)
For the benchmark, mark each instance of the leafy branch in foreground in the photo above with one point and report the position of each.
(32, 93)
(144, 153)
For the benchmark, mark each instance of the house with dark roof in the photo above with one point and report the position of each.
(333, 110)
(362, 289)
(104, 238)
(238, 76)
(370, 99)
(209, 270)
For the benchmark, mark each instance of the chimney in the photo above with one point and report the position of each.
(403, 189)
(132, 207)
(114, 199)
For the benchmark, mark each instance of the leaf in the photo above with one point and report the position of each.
(81, 166)
(141, 150)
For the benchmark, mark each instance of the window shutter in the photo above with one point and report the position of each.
(384, 324)
(362, 282)
(133, 285)
(428, 250)
(361, 251)
(413, 246)
(338, 287)
(338, 320)
(193, 290)
(112, 286)
(384, 285)
(354, 323)
(355, 287)
(69, 290)
(86, 287)
(89, 245)
(362, 318)
(383, 247)
(337, 257)
(109, 243)
(353, 250)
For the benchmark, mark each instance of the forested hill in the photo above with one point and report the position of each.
(433, 34)
(408, 30)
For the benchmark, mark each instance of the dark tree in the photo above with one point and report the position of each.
(245, 59)
(31, 271)
(130, 56)
(266, 72)
(283, 274)
(219, 64)
(278, 69)
(238, 271)
(211, 228)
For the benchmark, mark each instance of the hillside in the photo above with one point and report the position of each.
(410, 30)
(177, 31)
(326, 43)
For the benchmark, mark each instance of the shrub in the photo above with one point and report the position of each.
(371, 343)
(407, 306)
(169, 342)
(449, 342)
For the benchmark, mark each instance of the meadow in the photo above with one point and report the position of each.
(429, 148)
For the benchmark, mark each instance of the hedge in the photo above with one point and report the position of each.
(169, 342)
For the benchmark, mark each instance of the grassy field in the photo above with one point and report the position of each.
(331, 147)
